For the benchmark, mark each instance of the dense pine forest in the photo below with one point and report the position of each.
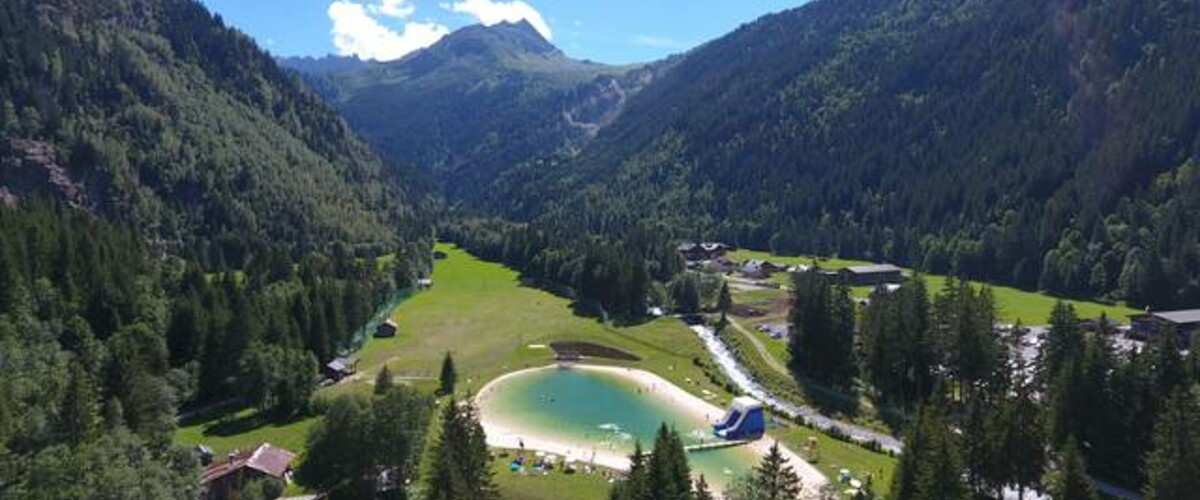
(154, 112)
(183, 226)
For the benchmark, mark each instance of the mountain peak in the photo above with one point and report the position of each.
(502, 39)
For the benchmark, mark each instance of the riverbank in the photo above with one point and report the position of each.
(503, 432)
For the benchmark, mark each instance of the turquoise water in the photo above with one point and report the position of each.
(608, 412)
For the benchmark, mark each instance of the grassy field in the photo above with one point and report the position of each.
(243, 431)
(1032, 308)
(493, 324)
(552, 486)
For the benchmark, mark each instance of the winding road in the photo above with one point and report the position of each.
(771, 361)
(741, 377)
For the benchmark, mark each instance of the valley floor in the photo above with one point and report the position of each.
(493, 324)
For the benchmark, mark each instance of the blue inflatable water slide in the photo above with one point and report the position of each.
(744, 420)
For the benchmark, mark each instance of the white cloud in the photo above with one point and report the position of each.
(356, 32)
(490, 12)
(658, 42)
(401, 9)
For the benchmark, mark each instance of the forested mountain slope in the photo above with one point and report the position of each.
(182, 223)
(475, 103)
(1044, 144)
(154, 112)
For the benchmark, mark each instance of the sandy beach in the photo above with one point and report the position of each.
(503, 433)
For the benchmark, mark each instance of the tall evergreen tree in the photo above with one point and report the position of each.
(1174, 464)
(668, 470)
(449, 376)
(383, 380)
(931, 466)
(1064, 341)
(77, 416)
(822, 320)
(1069, 480)
(637, 483)
(724, 301)
(461, 447)
(776, 478)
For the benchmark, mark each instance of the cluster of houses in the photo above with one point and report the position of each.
(713, 257)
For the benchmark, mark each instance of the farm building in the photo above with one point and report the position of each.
(224, 479)
(875, 274)
(386, 329)
(341, 368)
(695, 251)
(758, 269)
(1185, 323)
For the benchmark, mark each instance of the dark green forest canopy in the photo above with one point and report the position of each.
(160, 115)
(1043, 144)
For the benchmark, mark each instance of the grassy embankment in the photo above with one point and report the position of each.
(493, 324)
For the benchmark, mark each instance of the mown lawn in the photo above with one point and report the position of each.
(492, 324)
(1031, 308)
(243, 431)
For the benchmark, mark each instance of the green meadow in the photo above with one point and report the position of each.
(1031, 308)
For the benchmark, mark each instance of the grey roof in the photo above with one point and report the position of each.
(874, 268)
(1180, 317)
(341, 364)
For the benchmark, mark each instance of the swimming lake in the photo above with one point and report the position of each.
(603, 411)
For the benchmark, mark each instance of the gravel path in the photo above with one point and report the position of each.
(746, 383)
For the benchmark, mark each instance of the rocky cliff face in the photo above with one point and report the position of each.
(32, 169)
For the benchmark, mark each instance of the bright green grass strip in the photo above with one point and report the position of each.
(241, 431)
(493, 324)
(1031, 308)
(834, 455)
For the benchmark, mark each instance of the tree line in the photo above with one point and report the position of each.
(623, 275)
(981, 418)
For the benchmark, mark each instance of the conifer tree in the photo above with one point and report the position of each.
(776, 478)
(77, 413)
(1025, 440)
(462, 446)
(931, 466)
(1070, 481)
(724, 302)
(701, 489)
(449, 376)
(637, 483)
(668, 469)
(822, 320)
(1173, 466)
(1064, 341)
(383, 380)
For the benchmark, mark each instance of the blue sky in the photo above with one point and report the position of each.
(610, 31)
